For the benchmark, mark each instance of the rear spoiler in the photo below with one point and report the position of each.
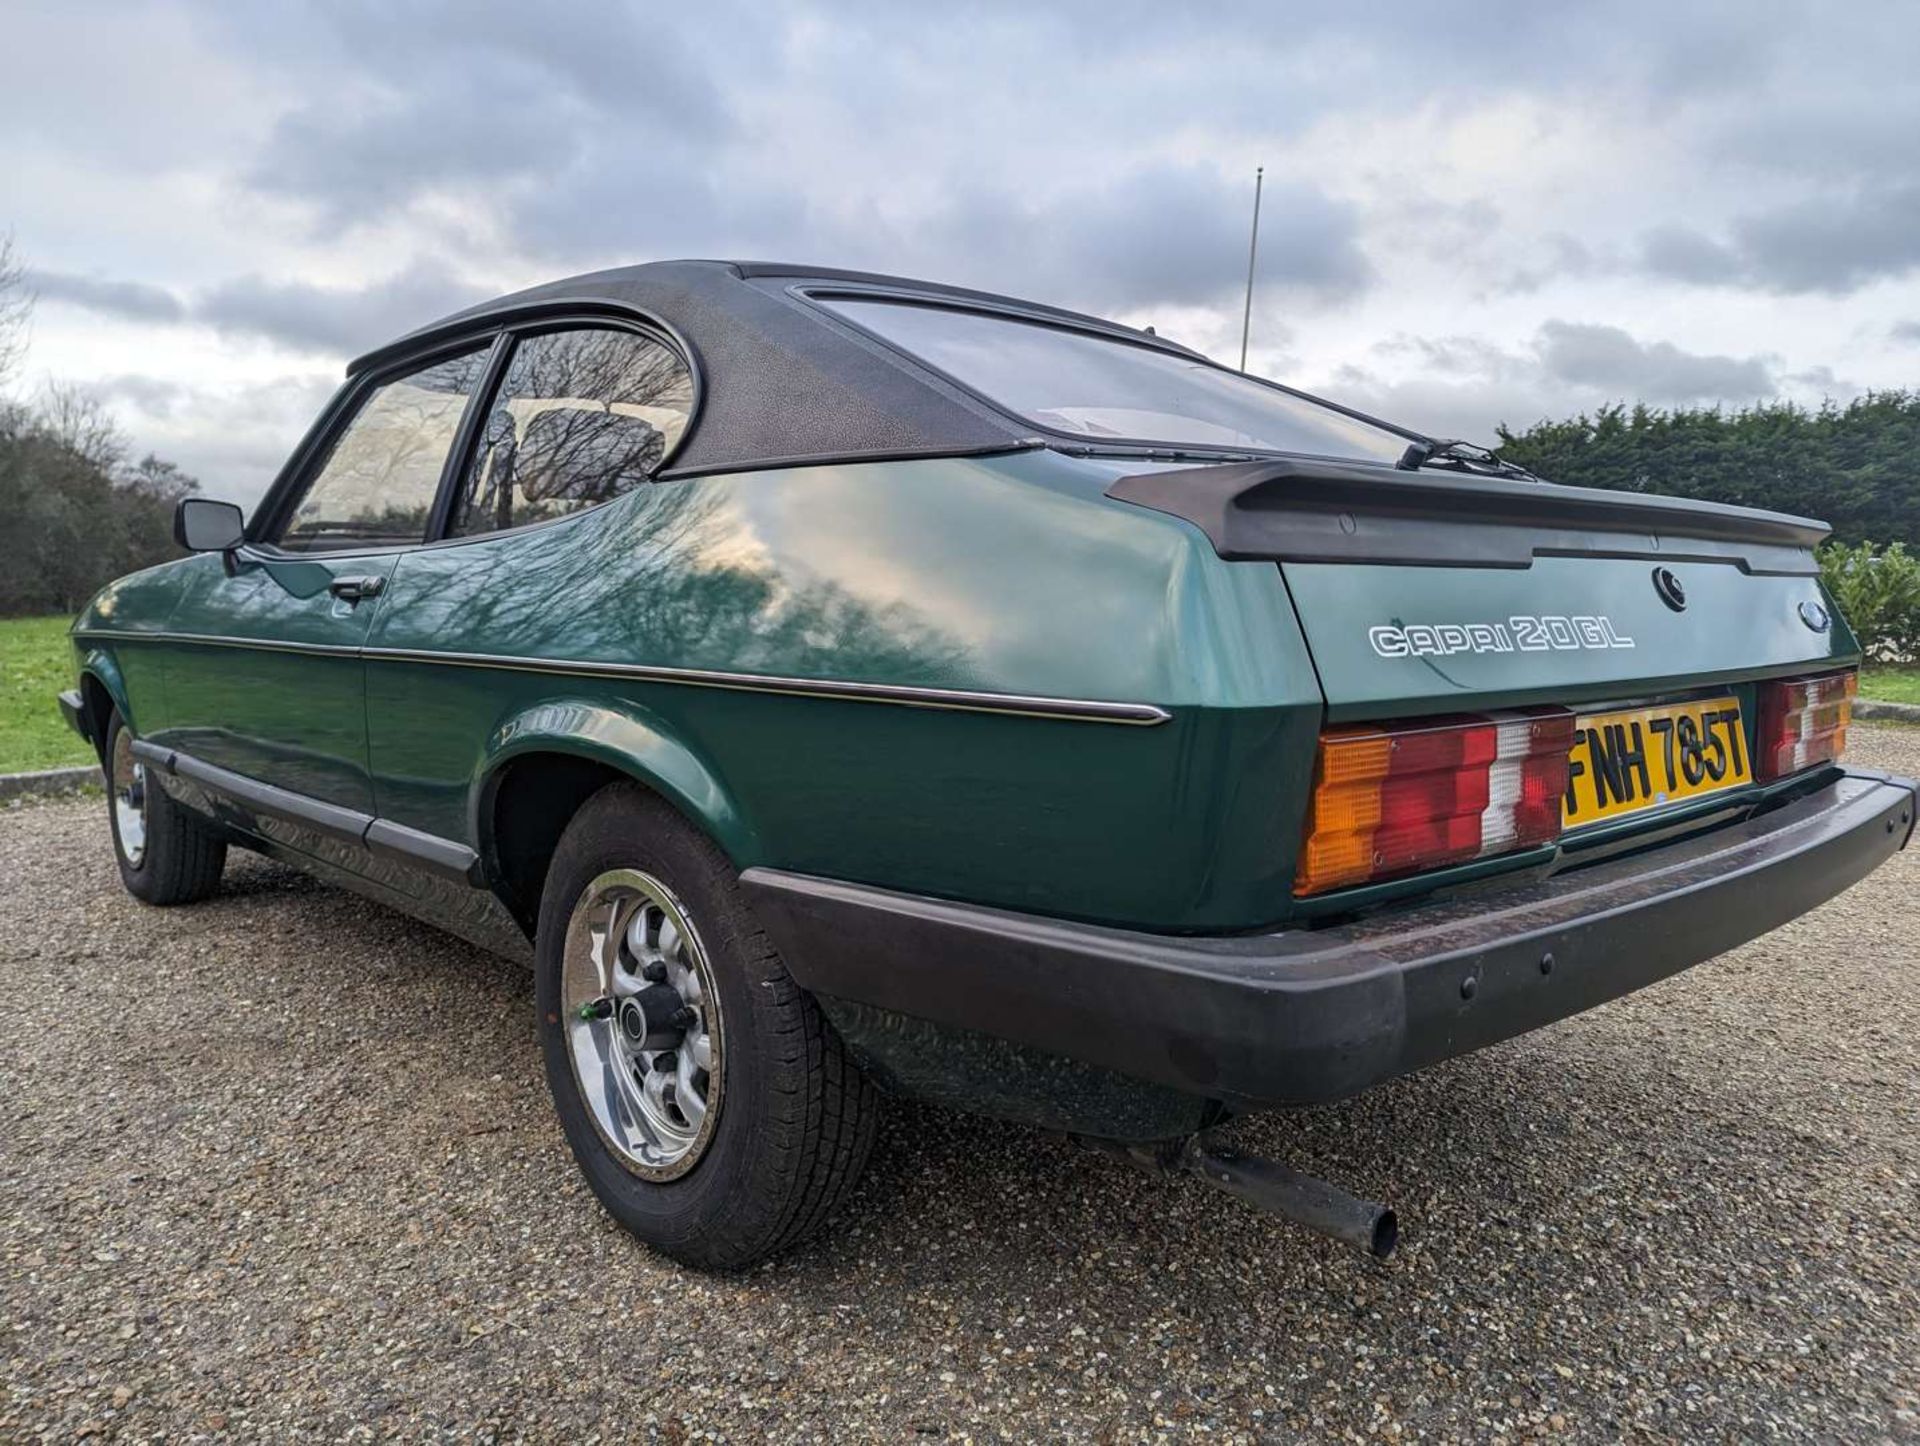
(1302, 510)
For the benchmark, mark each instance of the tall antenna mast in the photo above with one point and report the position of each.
(1253, 250)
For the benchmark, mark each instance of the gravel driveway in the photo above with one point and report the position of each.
(282, 1165)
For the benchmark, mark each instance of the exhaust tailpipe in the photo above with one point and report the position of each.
(1363, 1224)
(1267, 1184)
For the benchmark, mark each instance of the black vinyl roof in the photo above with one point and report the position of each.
(783, 381)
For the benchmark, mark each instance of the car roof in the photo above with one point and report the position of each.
(782, 381)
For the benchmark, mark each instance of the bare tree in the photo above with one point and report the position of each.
(79, 421)
(16, 308)
(161, 480)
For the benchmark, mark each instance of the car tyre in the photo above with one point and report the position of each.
(787, 1117)
(166, 854)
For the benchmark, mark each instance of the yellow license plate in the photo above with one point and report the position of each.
(1643, 758)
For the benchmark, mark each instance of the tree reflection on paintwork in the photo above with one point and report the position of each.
(667, 577)
(582, 417)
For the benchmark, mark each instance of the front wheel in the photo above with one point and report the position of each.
(166, 854)
(712, 1109)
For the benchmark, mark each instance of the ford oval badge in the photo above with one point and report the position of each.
(1815, 616)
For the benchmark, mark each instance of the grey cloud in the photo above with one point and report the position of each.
(1162, 235)
(615, 204)
(1840, 131)
(492, 99)
(1608, 359)
(617, 136)
(1019, 147)
(1815, 244)
(1565, 258)
(1459, 406)
(1463, 386)
(612, 53)
(1684, 254)
(1824, 380)
(1243, 45)
(1907, 331)
(233, 441)
(1158, 235)
(134, 300)
(155, 396)
(1453, 356)
(1819, 245)
(334, 319)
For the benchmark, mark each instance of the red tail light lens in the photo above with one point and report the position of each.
(1394, 799)
(1803, 721)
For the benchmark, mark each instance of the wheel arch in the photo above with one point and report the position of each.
(546, 761)
(104, 692)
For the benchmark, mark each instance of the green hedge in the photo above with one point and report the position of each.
(1878, 590)
(1856, 466)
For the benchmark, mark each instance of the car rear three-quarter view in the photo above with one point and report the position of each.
(842, 686)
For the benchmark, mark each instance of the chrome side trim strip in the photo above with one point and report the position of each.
(953, 699)
(215, 640)
(1080, 710)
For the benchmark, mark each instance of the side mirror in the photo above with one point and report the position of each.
(201, 524)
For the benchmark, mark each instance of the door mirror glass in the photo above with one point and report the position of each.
(201, 524)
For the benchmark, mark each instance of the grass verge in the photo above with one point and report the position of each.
(1891, 684)
(35, 664)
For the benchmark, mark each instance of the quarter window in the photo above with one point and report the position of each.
(1101, 388)
(378, 482)
(581, 417)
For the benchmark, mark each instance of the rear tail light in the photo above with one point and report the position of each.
(1397, 798)
(1803, 721)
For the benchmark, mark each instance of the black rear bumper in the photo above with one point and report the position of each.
(1306, 1016)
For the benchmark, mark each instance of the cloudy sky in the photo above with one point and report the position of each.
(1501, 213)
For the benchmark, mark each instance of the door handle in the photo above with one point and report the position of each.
(353, 589)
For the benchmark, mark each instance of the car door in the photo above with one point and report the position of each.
(581, 415)
(265, 676)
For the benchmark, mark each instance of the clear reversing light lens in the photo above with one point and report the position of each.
(1396, 798)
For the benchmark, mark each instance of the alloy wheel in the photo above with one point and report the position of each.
(643, 1023)
(129, 785)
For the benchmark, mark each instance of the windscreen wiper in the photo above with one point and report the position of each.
(1464, 456)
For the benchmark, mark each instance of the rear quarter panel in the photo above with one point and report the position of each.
(1005, 575)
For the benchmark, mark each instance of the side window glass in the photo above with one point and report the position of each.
(377, 484)
(581, 417)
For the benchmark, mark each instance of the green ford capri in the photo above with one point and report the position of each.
(842, 686)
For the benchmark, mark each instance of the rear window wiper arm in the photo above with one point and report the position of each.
(1466, 456)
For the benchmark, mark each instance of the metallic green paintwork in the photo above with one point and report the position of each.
(297, 720)
(133, 677)
(624, 736)
(1006, 575)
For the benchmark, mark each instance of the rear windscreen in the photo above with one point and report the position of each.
(1101, 388)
